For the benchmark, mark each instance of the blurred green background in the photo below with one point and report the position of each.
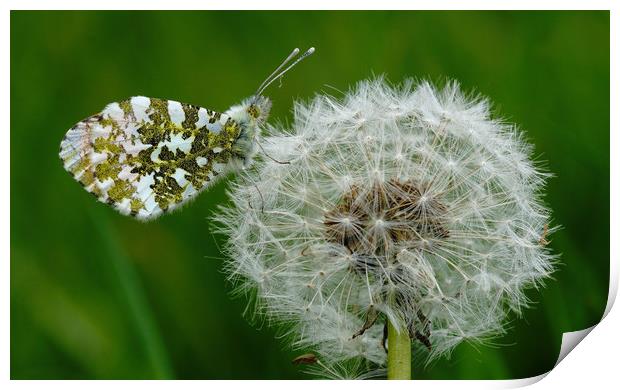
(98, 295)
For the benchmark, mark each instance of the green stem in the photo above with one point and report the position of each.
(399, 353)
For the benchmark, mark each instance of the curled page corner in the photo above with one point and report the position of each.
(569, 342)
(571, 339)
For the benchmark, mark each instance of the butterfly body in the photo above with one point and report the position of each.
(146, 156)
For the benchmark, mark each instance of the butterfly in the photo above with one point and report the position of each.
(147, 156)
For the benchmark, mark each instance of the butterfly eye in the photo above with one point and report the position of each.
(253, 111)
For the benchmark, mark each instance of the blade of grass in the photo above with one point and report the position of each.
(138, 307)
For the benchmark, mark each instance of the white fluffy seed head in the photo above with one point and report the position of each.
(403, 203)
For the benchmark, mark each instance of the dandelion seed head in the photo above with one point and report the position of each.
(410, 202)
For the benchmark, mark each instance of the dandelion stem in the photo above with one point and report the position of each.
(399, 353)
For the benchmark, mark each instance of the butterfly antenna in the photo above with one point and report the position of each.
(290, 56)
(272, 78)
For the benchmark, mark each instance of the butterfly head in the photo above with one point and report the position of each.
(258, 109)
(253, 112)
(258, 106)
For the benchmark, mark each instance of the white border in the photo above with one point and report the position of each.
(593, 363)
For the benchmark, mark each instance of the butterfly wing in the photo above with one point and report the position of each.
(146, 156)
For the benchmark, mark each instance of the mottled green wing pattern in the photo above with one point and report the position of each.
(147, 156)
